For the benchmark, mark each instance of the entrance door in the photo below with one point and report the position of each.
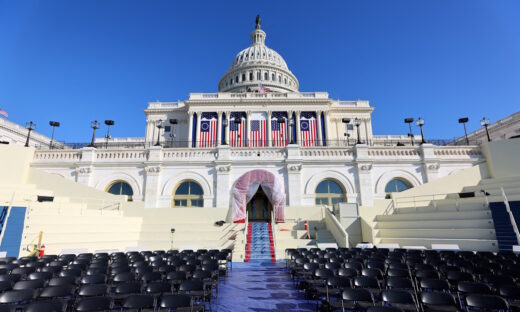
(259, 208)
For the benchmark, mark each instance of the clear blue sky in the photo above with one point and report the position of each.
(75, 61)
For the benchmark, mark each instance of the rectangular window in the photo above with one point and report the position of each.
(167, 128)
(350, 127)
(243, 77)
(251, 76)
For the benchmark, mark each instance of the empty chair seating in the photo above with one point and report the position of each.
(92, 290)
(438, 301)
(356, 298)
(45, 306)
(400, 299)
(93, 304)
(177, 302)
(62, 291)
(486, 302)
(138, 302)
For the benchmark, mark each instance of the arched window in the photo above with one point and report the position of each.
(251, 76)
(266, 76)
(397, 185)
(329, 192)
(120, 188)
(188, 194)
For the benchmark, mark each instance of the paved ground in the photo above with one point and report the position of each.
(260, 286)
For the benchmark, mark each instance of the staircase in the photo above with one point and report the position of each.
(260, 245)
(505, 233)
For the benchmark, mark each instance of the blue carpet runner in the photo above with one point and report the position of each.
(506, 236)
(260, 244)
(13, 229)
(260, 286)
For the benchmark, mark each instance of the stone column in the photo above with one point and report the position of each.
(430, 162)
(318, 126)
(297, 139)
(152, 178)
(190, 129)
(84, 169)
(268, 121)
(289, 128)
(326, 123)
(294, 180)
(228, 117)
(248, 136)
(197, 135)
(219, 128)
(223, 172)
(364, 171)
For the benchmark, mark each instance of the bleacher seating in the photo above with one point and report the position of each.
(406, 279)
(133, 281)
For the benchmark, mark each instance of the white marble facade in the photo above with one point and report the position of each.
(258, 81)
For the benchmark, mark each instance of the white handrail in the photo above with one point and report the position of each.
(511, 217)
(335, 228)
(273, 224)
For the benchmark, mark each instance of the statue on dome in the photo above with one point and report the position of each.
(257, 22)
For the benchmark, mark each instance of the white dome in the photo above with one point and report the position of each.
(258, 65)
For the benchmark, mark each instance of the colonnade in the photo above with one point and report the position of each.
(321, 127)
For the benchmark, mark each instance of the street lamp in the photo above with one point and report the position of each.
(346, 121)
(357, 123)
(94, 125)
(485, 123)
(29, 126)
(463, 121)
(225, 123)
(53, 124)
(409, 121)
(159, 124)
(108, 123)
(173, 122)
(420, 123)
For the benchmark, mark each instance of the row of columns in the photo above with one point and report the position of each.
(248, 119)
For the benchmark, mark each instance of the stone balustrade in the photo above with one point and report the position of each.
(245, 154)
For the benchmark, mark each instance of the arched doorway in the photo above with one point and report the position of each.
(259, 207)
(247, 188)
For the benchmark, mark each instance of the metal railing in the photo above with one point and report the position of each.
(511, 216)
(273, 228)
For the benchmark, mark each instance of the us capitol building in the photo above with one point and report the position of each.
(259, 136)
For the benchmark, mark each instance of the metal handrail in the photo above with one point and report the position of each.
(273, 224)
(511, 217)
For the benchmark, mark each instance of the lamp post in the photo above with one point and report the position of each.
(420, 123)
(291, 126)
(463, 121)
(225, 124)
(357, 123)
(30, 127)
(485, 123)
(159, 124)
(409, 121)
(173, 122)
(108, 123)
(53, 124)
(346, 121)
(94, 125)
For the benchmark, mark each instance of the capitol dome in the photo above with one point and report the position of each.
(258, 66)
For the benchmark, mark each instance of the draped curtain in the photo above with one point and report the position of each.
(247, 186)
